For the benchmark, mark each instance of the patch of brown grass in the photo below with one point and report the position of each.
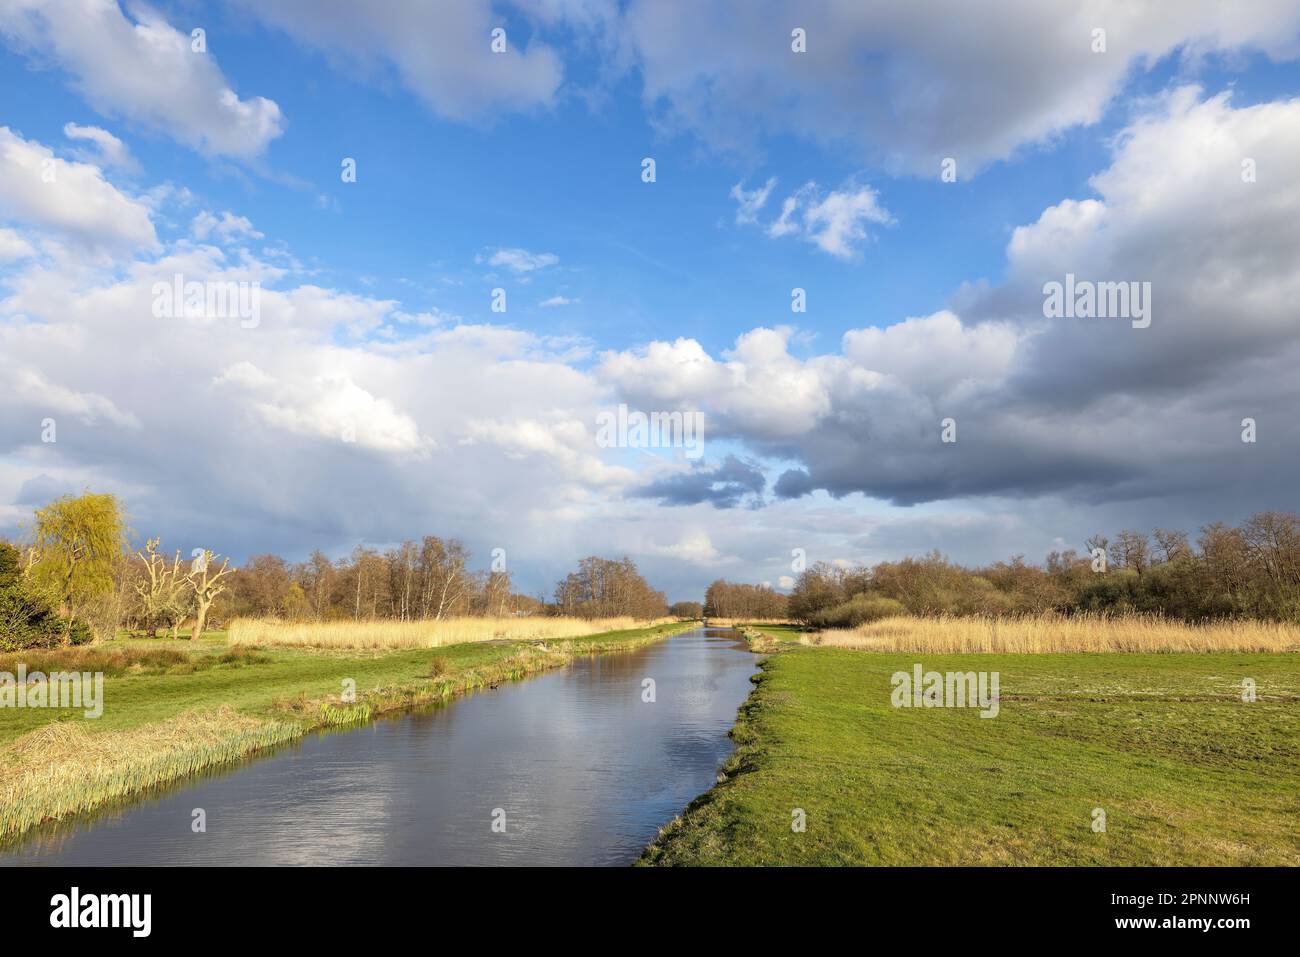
(421, 634)
(111, 661)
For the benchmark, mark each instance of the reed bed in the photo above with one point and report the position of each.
(1055, 633)
(391, 635)
(61, 768)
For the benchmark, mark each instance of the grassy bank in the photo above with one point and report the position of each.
(174, 708)
(1184, 770)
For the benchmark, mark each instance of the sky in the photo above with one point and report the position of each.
(920, 171)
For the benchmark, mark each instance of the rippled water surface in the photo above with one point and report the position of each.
(584, 770)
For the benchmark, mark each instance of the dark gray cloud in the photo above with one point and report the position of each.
(725, 485)
(793, 483)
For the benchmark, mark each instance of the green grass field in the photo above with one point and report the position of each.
(1184, 770)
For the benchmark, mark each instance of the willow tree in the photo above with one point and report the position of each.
(76, 541)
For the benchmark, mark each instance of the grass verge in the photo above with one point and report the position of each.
(1185, 772)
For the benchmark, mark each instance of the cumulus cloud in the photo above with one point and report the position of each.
(1039, 404)
(143, 69)
(227, 227)
(295, 431)
(88, 407)
(343, 417)
(695, 547)
(68, 199)
(757, 388)
(946, 78)
(441, 51)
(13, 246)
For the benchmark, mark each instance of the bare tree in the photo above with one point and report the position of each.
(165, 596)
(1132, 550)
(1172, 544)
(207, 586)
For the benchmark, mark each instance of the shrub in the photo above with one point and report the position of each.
(858, 610)
(28, 621)
(10, 569)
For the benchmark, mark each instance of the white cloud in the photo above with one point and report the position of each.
(13, 246)
(749, 202)
(565, 441)
(107, 149)
(441, 51)
(521, 260)
(695, 547)
(143, 69)
(937, 353)
(70, 199)
(558, 301)
(329, 406)
(758, 389)
(88, 407)
(836, 221)
(227, 227)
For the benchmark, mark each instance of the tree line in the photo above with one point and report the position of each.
(76, 578)
(1248, 571)
(724, 599)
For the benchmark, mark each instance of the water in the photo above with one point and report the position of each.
(584, 771)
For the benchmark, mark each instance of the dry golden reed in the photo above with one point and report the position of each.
(1055, 633)
(62, 768)
(421, 634)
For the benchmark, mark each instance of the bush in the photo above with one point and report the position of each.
(10, 569)
(858, 610)
(27, 621)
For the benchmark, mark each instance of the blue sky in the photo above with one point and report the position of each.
(550, 169)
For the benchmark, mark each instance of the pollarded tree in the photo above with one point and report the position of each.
(207, 585)
(166, 596)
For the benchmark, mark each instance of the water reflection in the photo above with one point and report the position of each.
(584, 770)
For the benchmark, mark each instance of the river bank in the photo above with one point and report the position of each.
(1091, 759)
(172, 709)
